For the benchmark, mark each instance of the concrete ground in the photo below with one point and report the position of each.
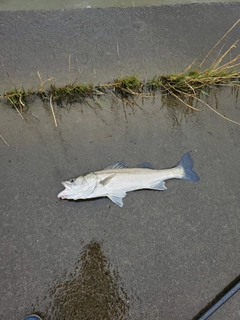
(15, 5)
(164, 255)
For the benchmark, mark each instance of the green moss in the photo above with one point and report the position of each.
(17, 98)
(70, 93)
(131, 82)
(193, 73)
(154, 83)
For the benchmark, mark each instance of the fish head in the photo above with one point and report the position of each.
(77, 188)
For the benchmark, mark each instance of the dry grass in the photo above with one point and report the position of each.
(193, 82)
(4, 140)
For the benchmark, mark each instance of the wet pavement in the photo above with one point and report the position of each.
(164, 255)
(93, 289)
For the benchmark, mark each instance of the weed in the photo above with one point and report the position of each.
(127, 86)
(70, 93)
(17, 98)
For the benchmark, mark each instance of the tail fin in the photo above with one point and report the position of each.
(187, 164)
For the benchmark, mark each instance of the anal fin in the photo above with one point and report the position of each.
(117, 198)
(158, 185)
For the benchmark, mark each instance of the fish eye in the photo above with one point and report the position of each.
(72, 180)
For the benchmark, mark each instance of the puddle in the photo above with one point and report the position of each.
(93, 290)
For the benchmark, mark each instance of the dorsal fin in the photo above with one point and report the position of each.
(146, 165)
(117, 165)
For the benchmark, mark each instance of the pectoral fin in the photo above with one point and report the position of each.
(158, 185)
(117, 198)
(105, 181)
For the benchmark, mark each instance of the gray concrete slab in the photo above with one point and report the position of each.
(108, 43)
(164, 255)
(15, 5)
(174, 250)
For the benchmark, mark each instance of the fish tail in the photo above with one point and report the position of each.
(186, 163)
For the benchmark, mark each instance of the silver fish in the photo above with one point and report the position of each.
(116, 180)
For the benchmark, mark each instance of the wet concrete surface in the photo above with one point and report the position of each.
(164, 255)
(92, 290)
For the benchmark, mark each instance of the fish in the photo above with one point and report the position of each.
(116, 180)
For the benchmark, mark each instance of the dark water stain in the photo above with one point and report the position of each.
(176, 110)
(235, 92)
(222, 99)
(93, 290)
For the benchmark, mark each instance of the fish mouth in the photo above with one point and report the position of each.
(66, 184)
(64, 194)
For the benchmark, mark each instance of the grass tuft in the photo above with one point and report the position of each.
(17, 98)
(131, 82)
(70, 93)
(127, 87)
